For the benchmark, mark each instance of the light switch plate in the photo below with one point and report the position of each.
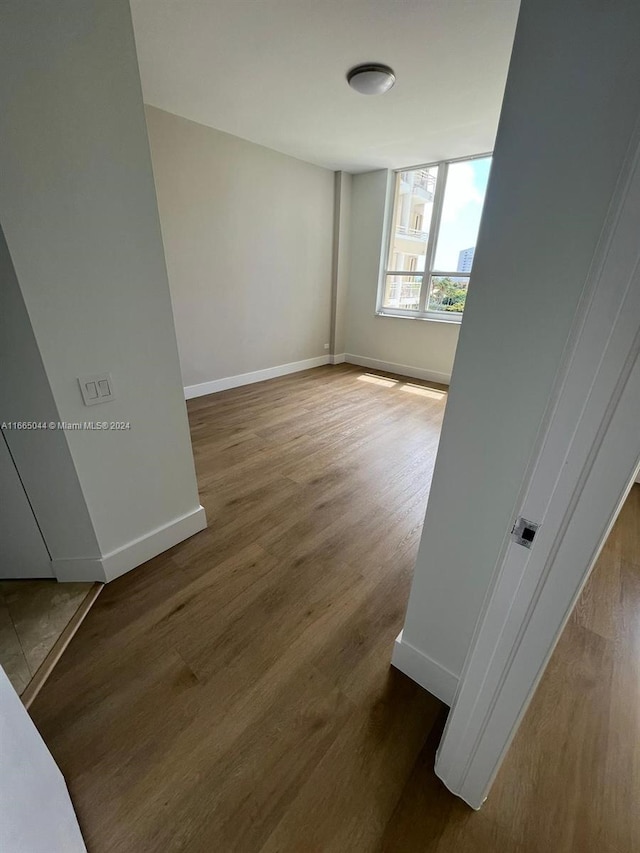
(97, 388)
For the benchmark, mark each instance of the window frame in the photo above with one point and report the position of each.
(422, 313)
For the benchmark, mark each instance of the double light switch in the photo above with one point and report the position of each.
(96, 389)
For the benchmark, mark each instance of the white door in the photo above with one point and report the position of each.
(23, 553)
(36, 814)
(577, 486)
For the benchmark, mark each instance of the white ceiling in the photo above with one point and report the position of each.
(273, 71)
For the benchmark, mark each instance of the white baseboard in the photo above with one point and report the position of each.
(82, 569)
(402, 369)
(434, 677)
(215, 385)
(227, 382)
(133, 554)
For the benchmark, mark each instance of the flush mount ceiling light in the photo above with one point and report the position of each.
(371, 79)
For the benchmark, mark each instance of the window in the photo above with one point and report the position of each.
(434, 229)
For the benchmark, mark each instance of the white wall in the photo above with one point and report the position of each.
(41, 456)
(426, 346)
(567, 119)
(36, 815)
(78, 209)
(248, 237)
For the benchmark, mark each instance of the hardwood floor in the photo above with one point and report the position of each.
(234, 694)
(571, 780)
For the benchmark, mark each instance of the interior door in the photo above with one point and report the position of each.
(36, 814)
(23, 553)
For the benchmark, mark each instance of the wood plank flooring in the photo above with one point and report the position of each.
(571, 780)
(234, 694)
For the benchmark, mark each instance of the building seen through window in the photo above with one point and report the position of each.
(434, 228)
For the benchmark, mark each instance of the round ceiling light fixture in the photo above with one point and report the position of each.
(371, 78)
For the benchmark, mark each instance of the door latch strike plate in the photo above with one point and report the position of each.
(524, 532)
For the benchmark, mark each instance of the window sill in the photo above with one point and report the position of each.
(447, 321)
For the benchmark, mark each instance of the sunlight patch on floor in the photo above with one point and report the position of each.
(432, 393)
(387, 382)
(378, 380)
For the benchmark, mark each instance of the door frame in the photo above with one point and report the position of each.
(588, 455)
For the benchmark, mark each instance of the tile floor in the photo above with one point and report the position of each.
(33, 614)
